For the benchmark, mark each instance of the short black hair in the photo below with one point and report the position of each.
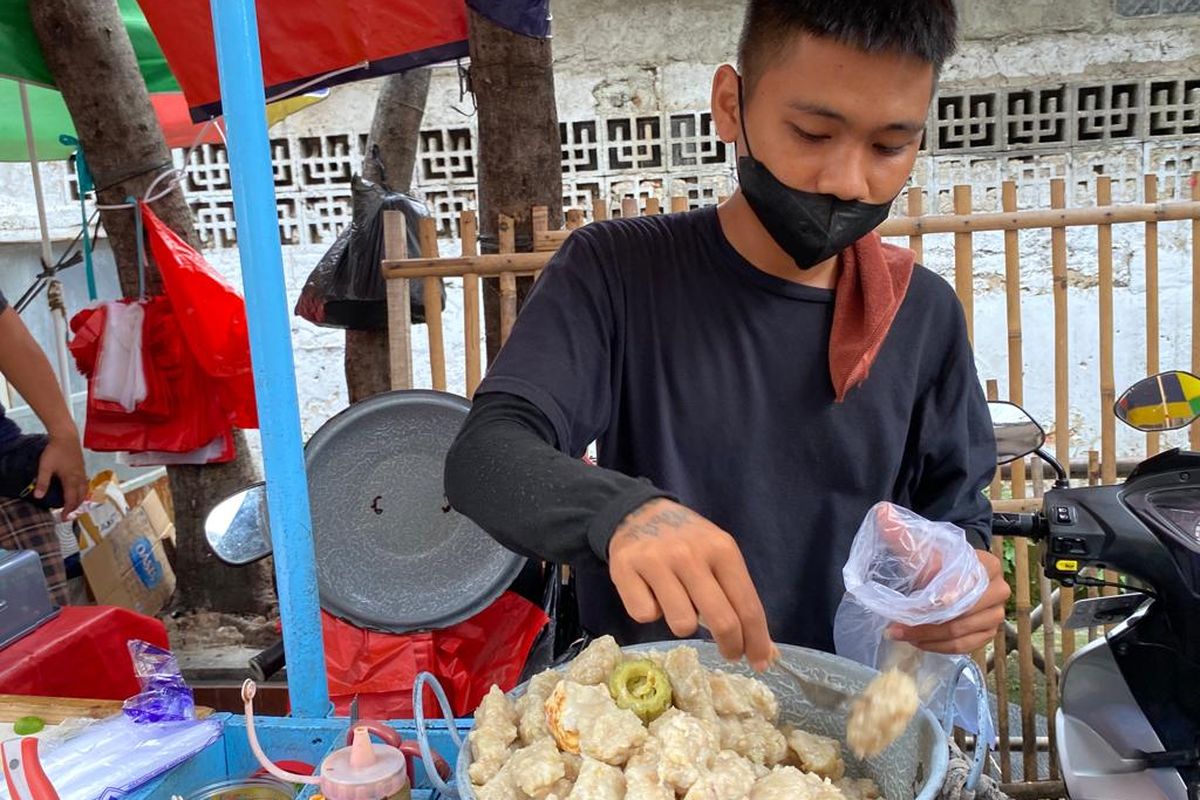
(926, 29)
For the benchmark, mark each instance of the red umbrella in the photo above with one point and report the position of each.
(307, 43)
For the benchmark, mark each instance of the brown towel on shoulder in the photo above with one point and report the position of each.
(873, 281)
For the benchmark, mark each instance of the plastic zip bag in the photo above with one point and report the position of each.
(904, 568)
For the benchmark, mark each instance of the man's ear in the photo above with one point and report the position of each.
(726, 110)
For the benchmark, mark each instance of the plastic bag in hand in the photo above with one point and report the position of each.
(904, 568)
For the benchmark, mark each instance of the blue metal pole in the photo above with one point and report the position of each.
(235, 29)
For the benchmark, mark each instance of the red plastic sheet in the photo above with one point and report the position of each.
(381, 668)
(80, 653)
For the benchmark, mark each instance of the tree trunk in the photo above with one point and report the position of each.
(520, 152)
(88, 51)
(397, 123)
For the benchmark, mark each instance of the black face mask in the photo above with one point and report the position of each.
(810, 228)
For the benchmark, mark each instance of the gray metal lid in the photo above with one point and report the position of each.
(388, 557)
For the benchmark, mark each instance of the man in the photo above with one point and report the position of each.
(37, 472)
(756, 376)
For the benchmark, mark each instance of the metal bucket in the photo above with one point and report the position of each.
(913, 768)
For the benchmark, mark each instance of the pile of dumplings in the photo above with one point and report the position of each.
(567, 739)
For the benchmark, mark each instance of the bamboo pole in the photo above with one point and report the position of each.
(1023, 220)
(1025, 659)
(1153, 438)
(1027, 220)
(916, 207)
(1093, 480)
(679, 204)
(1012, 293)
(485, 265)
(1062, 369)
(1048, 636)
(599, 209)
(1108, 389)
(433, 308)
(472, 328)
(508, 281)
(652, 206)
(964, 277)
(1000, 643)
(1194, 433)
(399, 312)
(629, 206)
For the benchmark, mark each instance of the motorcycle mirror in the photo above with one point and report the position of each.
(1163, 402)
(1017, 433)
(237, 529)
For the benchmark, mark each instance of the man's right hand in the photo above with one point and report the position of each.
(669, 562)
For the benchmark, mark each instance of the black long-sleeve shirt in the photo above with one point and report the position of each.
(707, 380)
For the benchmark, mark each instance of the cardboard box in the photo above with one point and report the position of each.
(129, 566)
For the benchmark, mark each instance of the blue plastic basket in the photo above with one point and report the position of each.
(283, 739)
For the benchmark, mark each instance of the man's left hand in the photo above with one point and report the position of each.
(970, 631)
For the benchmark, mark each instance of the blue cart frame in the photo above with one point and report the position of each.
(311, 732)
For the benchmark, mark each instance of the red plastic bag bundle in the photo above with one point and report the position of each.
(467, 658)
(211, 316)
(195, 356)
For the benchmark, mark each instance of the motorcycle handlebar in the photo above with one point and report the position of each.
(1015, 525)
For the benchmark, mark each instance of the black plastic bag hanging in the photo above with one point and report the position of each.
(347, 289)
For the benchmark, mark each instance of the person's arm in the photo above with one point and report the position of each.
(25, 366)
(504, 471)
(956, 460)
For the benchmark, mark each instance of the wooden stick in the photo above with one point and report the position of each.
(1017, 221)
(508, 281)
(1046, 591)
(399, 312)
(916, 207)
(485, 265)
(1093, 480)
(1062, 369)
(1023, 220)
(1012, 296)
(433, 308)
(1025, 660)
(964, 276)
(999, 644)
(679, 204)
(574, 219)
(1108, 389)
(1153, 439)
(629, 206)
(472, 326)
(540, 219)
(599, 209)
(1000, 651)
(652, 206)
(1194, 433)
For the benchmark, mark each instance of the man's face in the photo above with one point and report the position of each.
(829, 118)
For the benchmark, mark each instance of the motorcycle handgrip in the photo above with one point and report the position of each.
(1004, 524)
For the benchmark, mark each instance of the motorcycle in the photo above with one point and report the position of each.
(1128, 722)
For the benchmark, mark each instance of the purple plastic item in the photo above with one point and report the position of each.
(164, 696)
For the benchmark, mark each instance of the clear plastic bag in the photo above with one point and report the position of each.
(904, 568)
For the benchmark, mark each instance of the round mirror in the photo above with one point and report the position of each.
(237, 530)
(1163, 402)
(1017, 433)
